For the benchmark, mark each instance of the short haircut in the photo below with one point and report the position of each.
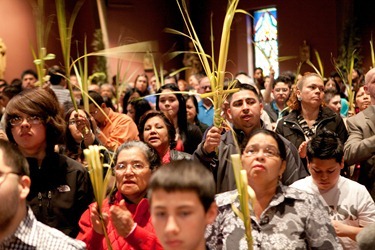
(171, 130)
(150, 154)
(56, 74)
(29, 72)
(42, 103)
(185, 175)
(279, 141)
(13, 158)
(244, 86)
(325, 145)
(285, 79)
(329, 94)
(96, 97)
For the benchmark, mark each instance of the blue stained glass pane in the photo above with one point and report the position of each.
(265, 39)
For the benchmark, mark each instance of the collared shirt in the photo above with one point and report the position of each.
(33, 235)
(205, 115)
(293, 220)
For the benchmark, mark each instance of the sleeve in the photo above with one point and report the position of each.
(203, 157)
(341, 130)
(357, 148)
(141, 239)
(320, 233)
(366, 207)
(121, 130)
(295, 168)
(87, 234)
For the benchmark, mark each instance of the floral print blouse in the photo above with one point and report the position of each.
(293, 220)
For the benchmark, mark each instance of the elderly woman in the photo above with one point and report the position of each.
(281, 217)
(308, 116)
(156, 130)
(173, 105)
(126, 211)
(60, 191)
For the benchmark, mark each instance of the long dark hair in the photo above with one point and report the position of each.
(182, 122)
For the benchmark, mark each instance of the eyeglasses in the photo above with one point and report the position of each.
(4, 175)
(94, 112)
(206, 87)
(267, 152)
(134, 167)
(32, 120)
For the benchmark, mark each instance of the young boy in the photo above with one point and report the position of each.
(349, 204)
(182, 204)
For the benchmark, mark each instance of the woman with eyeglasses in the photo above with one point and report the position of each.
(60, 190)
(281, 217)
(126, 212)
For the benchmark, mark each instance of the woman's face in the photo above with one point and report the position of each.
(190, 111)
(30, 138)
(132, 180)
(168, 104)
(362, 99)
(141, 83)
(130, 111)
(335, 104)
(76, 134)
(330, 84)
(312, 92)
(156, 134)
(262, 161)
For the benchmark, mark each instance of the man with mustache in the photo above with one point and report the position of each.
(244, 111)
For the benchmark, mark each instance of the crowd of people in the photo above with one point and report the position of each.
(308, 157)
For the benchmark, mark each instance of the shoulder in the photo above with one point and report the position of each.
(71, 164)
(302, 184)
(178, 155)
(226, 198)
(51, 238)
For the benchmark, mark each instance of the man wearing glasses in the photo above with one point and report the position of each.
(19, 227)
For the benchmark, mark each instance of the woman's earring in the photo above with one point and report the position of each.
(299, 98)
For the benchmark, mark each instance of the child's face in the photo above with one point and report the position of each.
(179, 219)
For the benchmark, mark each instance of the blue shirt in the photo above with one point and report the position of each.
(205, 115)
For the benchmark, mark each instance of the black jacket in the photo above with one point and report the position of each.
(60, 192)
(289, 128)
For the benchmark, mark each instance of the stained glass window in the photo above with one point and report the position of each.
(265, 40)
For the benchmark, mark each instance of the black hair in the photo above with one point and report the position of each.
(274, 135)
(185, 175)
(171, 130)
(325, 145)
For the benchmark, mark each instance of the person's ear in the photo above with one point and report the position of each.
(103, 105)
(25, 183)
(211, 213)
(342, 164)
(229, 113)
(365, 88)
(282, 169)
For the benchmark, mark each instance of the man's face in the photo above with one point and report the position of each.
(179, 219)
(281, 92)
(28, 81)
(204, 85)
(9, 194)
(325, 173)
(97, 114)
(245, 110)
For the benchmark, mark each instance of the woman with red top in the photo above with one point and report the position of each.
(156, 130)
(126, 211)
